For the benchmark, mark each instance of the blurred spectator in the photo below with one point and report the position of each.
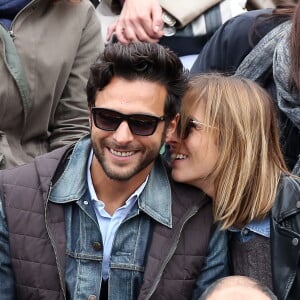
(47, 48)
(184, 28)
(237, 288)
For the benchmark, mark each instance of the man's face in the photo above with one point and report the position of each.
(123, 155)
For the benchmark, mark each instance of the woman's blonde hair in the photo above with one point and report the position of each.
(250, 162)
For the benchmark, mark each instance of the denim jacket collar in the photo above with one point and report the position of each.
(71, 185)
(155, 199)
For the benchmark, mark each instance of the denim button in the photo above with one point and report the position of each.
(85, 202)
(245, 231)
(295, 241)
(96, 246)
(92, 297)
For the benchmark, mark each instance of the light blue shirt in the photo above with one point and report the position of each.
(249, 231)
(109, 224)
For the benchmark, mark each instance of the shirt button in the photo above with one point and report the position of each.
(245, 231)
(92, 297)
(85, 202)
(298, 204)
(295, 241)
(96, 246)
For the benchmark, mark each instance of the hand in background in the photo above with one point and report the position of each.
(138, 21)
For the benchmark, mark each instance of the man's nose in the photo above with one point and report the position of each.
(123, 134)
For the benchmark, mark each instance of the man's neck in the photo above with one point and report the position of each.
(114, 193)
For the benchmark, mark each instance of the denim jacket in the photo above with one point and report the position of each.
(131, 244)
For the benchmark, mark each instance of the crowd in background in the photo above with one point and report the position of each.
(149, 149)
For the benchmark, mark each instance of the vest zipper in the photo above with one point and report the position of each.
(62, 280)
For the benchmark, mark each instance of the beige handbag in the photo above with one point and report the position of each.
(186, 11)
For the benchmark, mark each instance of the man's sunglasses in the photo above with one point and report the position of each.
(139, 124)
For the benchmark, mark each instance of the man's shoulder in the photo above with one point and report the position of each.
(42, 166)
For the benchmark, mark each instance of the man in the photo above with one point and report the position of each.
(102, 219)
(237, 287)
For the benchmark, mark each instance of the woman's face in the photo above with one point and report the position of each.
(196, 156)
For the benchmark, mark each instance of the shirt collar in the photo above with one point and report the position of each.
(261, 227)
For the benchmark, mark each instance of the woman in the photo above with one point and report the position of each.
(228, 146)
(272, 36)
(46, 49)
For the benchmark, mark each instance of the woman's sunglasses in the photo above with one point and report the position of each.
(139, 124)
(187, 129)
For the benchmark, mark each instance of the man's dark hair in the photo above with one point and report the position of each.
(140, 61)
(244, 280)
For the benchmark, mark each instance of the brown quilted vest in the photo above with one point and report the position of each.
(175, 256)
(24, 190)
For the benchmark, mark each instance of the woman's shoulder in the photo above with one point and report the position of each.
(287, 200)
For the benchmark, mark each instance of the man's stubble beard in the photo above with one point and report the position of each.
(136, 169)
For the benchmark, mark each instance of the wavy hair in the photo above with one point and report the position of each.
(140, 61)
(250, 161)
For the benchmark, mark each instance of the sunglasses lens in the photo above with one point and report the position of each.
(110, 120)
(107, 119)
(142, 125)
(184, 132)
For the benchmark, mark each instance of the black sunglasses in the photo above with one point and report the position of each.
(139, 124)
(190, 124)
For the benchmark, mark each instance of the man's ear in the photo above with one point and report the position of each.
(173, 124)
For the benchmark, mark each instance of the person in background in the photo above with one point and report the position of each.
(237, 287)
(138, 21)
(263, 45)
(143, 20)
(227, 145)
(46, 50)
(152, 21)
(101, 219)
